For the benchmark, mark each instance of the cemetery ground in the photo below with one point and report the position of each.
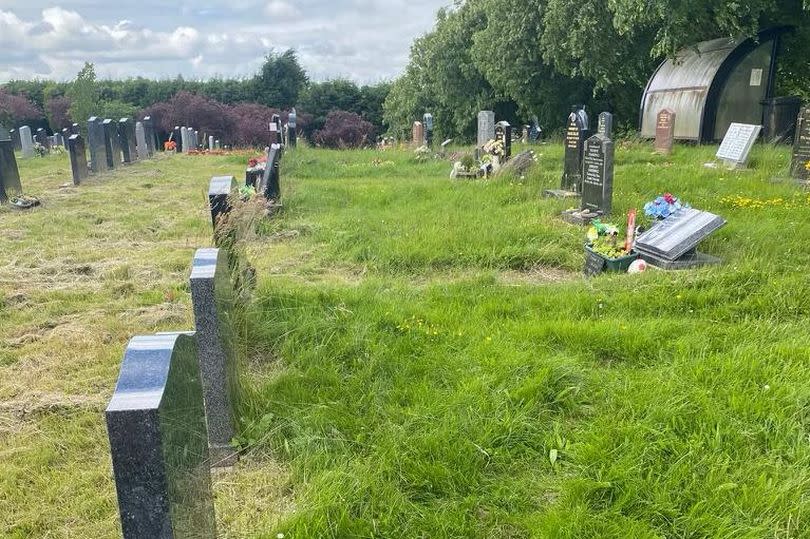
(422, 357)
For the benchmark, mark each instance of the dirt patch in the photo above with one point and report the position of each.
(33, 405)
(536, 275)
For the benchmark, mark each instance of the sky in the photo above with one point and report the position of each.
(366, 41)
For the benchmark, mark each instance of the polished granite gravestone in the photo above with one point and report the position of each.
(78, 158)
(275, 129)
(672, 243)
(665, 131)
(150, 136)
(111, 143)
(486, 127)
(140, 141)
(219, 190)
(800, 160)
(597, 183)
(10, 185)
(503, 133)
(15, 139)
(213, 299)
(159, 443)
(96, 145)
(65, 136)
(26, 142)
(737, 144)
(270, 185)
(126, 135)
(177, 137)
(292, 126)
(74, 129)
(43, 140)
(571, 185)
(605, 127)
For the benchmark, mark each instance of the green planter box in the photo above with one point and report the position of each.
(596, 263)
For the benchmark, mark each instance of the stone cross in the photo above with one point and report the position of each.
(159, 442)
(605, 127)
(141, 145)
(126, 134)
(801, 147)
(9, 173)
(574, 142)
(486, 127)
(111, 143)
(213, 298)
(219, 190)
(665, 131)
(26, 142)
(597, 180)
(78, 158)
(97, 146)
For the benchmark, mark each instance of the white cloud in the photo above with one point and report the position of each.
(365, 40)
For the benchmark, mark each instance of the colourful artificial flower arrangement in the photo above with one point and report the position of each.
(664, 206)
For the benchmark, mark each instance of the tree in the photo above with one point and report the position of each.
(84, 95)
(57, 108)
(344, 130)
(17, 110)
(280, 81)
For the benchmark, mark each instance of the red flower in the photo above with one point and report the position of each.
(669, 198)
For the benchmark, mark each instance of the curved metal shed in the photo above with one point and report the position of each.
(713, 84)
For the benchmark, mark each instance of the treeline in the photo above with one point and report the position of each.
(280, 85)
(524, 58)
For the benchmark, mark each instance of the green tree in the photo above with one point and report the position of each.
(84, 95)
(280, 81)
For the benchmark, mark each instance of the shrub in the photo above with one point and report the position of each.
(344, 130)
(16, 110)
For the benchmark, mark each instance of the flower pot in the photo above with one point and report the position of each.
(597, 263)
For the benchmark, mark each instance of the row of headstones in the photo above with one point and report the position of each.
(172, 415)
(187, 139)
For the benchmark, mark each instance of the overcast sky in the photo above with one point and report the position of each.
(363, 40)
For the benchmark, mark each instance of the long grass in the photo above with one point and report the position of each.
(423, 357)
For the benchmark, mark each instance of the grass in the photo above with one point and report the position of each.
(422, 357)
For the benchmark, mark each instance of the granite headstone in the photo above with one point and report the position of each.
(678, 234)
(665, 131)
(605, 127)
(26, 142)
(159, 443)
(418, 134)
(801, 147)
(597, 181)
(78, 158)
(219, 190)
(96, 145)
(270, 185)
(112, 145)
(140, 141)
(503, 133)
(10, 185)
(574, 142)
(126, 135)
(486, 127)
(737, 144)
(15, 139)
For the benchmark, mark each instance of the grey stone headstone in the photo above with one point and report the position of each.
(213, 298)
(126, 134)
(597, 180)
(605, 127)
(112, 144)
(801, 147)
(10, 185)
(140, 141)
(218, 191)
(217, 145)
(78, 158)
(486, 127)
(15, 138)
(210, 143)
(159, 443)
(151, 136)
(678, 234)
(737, 144)
(26, 142)
(574, 143)
(184, 139)
(270, 186)
(96, 145)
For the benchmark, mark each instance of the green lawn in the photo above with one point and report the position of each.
(422, 357)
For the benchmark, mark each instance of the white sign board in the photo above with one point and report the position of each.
(737, 144)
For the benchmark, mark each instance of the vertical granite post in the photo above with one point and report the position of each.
(112, 144)
(159, 443)
(78, 158)
(98, 149)
(213, 299)
(218, 191)
(9, 173)
(26, 142)
(141, 147)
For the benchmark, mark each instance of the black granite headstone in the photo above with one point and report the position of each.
(42, 138)
(292, 126)
(213, 298)
(5, 134)
(177, 137)
(270, 186)
(126, 134)
(503, 133)
(151, 136)
(74, 129)
(10, 185)
(16, 140)
(801, 147)
(574, 142)
(95, 143)
(111, 143)
(597, 181)
(78, 158)
(65, 136)
(219, 190)
(158, 441)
